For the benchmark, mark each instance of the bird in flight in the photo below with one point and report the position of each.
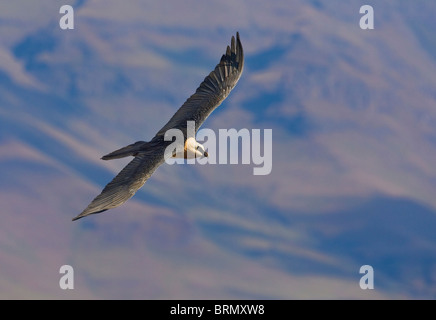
(148, 156)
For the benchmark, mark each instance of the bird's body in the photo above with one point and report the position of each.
(148, 156)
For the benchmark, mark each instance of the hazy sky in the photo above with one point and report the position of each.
(353, 180)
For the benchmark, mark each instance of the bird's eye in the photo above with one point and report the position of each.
(198, 147)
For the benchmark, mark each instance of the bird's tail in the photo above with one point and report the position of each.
(130, 150)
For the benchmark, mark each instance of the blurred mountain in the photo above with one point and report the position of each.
(354, 145)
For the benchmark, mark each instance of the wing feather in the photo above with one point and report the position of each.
(212, 91)
(127, 182)
(208, 96)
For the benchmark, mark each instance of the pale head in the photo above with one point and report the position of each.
(192, 150)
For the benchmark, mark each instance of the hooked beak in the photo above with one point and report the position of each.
(206, 154)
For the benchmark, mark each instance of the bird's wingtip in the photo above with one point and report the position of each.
(87, 213)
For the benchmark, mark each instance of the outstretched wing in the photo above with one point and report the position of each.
(127, 182)
(212, 91)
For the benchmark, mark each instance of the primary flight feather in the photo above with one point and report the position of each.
(148, 156)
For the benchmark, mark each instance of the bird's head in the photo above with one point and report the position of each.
(195, 149)
(201, 151)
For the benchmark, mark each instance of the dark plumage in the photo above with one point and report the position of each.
(150, 155)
